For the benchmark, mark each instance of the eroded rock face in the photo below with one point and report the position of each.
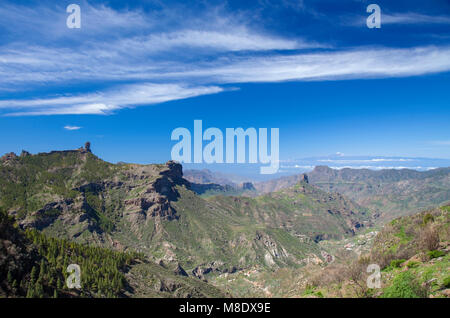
(47, 215)
(157, 198)
(140, 193)
(180, 270)
(215, 266)
(273, 250)
(152, 205)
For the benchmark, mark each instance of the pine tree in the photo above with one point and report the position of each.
(43, 269)
(30, 291)
(15, 284)
(59, 284)
(39, 290)
(33, 274)
(9, 277)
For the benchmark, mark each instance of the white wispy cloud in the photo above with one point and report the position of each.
(103, 103)
(237, 39)
(130, 46)
(370, 167)
(359, 63)
(41, 64)
(408, 18)
(413, 18)
(164, 78)
(48, 23)
(420, 168)
(354, 161)
(69, 127)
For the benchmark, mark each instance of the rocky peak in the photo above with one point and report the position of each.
(156, 200)
(175, 169)
(9, 156)
(304, 178)
(174, 172)
(248, 186)
(25, 154)
(87, 146)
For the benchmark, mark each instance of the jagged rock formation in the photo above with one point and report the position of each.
(87, 146)
(248, 186)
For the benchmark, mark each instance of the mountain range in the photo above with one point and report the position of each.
(185, 233)
(388, 193)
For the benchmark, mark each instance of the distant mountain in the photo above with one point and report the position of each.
(207, 183)
(388, 192)
(341, 161)
(206, 176)
(303, 210)
(239, 173)
(278, 184)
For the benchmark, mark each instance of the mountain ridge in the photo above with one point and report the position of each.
(151, 209)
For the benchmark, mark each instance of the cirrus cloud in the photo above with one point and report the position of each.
(138, 62)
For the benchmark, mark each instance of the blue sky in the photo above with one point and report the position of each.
(136, 70)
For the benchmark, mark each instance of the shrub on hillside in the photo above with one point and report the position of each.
(412, 264)
(396, 263)
(405, 285)
(435, 254)
(447, 282)
(428, 238)
(427, 218)
(357, 274)
(333, 274)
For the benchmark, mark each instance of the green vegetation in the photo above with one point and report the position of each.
(412, 264)
(396, 263)
(28, 183)
(446, 282)
(428, 217)
(78, 209)
(390, 193)
(101, 269)
(104, 272)
(405, 285)
(435, 254)
(310, 291)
